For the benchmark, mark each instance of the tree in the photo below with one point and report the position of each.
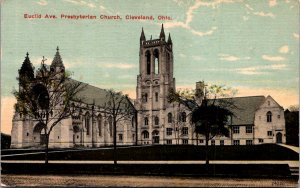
(118, 107)
(292, 125)
(46, 99)
(210, 110)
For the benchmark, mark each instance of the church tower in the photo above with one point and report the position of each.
(154, 82)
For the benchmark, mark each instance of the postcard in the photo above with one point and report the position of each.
(138, 93)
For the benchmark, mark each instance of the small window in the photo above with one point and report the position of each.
(169, 117)
(156, 97)
(185, 130)
(236, 129)
(120, 137)
(248, 142)
(213, 142)
(248, 129)
(169, 141)
(77, 136)
(156, 120)
(261, 140)
(221, 142)
(269, 103)
(201, 141)
(58, 137)
(169, 131)
(269, 116)
(270, 133)
(278, 116)
(27, 134)
(236, 142)
(185, 141)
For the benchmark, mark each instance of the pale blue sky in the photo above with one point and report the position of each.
(252, 46)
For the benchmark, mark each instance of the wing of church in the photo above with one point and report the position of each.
(256, 120)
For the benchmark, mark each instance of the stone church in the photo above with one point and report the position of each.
(257, 120)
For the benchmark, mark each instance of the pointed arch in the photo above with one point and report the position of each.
(148, 62)
(110, 125)
(87, 123)
(99, 120)
(156, 61)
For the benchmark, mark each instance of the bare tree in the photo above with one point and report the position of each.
(46, 98)
(209, 110)
(118, 107)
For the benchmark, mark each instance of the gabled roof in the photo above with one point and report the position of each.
(244, 109)
(94, 95)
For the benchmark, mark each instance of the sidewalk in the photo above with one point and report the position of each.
(290, 163)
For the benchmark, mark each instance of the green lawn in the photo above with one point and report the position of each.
(171, 152)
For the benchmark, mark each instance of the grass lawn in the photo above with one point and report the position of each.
(169, 152)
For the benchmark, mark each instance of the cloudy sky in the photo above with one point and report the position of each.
(252, 46)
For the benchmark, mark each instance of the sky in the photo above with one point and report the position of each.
(249, 45)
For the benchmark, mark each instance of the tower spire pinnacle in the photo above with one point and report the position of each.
(162, 32)
(169, 39)
(142, 35)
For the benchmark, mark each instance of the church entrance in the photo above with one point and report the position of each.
(76, 135)
(39, 136)
(278, 138)
(155, 137)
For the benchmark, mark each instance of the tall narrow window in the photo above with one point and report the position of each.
(146, 121)
(269, 116)
(110, 125)
(156, 61)
(148, 62)
(156, 120)
(169, 117)
(156, 96)
(87, 124)
(183, 117)
(145, 97)
(100, 124)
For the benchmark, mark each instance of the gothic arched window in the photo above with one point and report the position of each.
(145, 134)
(148, 62)
(269, 116)
(110, 125)
(100, 124)
(87, 123)
(156, 120)
(169, 117)
(156, 61)
(146, 121)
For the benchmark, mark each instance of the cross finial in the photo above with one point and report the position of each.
(57, 49)
(27, 54)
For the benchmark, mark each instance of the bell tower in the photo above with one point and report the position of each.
(154, 82)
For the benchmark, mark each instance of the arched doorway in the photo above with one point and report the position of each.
(39, 136)
(155, 137)
(278, 138)
(76, 135)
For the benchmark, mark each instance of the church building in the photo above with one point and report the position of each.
(257, 120)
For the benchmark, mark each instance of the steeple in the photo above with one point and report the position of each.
(162, 32)
(142, 38)
(169, 39)
(57, 61)
(27, 69)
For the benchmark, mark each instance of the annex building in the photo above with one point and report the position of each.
(257, 120)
